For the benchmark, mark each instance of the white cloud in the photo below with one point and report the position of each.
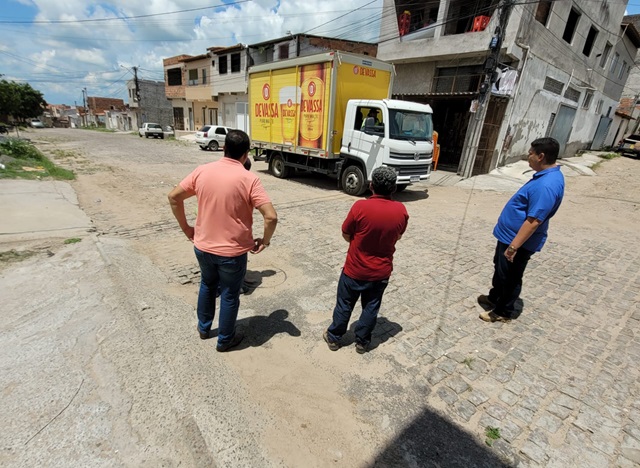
(62, 58)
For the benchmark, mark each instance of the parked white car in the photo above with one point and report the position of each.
(211, 137)
(35, 123)
(151, 129)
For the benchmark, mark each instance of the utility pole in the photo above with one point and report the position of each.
(84, 107)
(476, 124)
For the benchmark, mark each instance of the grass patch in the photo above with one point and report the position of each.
(99, 129)
(72, 240)
(609, 156)
(15, 256)
(492, 434)
(26, 162)
(64, 154)
(468, 361)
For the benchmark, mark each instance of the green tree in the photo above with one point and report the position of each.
(20, 100)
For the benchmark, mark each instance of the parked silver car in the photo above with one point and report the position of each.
(35, 123)
(211, 137)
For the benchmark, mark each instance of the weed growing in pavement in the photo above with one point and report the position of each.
(15, 256)
(72, 240)
(26, 162)
(492, 434)
(468, 361)
(64, 154)
(610, 156)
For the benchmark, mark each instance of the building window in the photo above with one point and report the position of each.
(588, 97)
(222, 65)
(572, 24)
(203, 73)
(174, 77)
(193, 77)
(591, 38)
(624, 66)
(553, 86)
(235, 63)
(542, 13)
(614, 63)
(572, 94)
(283, 51)
(599, 106)
(605, 54)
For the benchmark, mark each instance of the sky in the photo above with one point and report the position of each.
(62, 46)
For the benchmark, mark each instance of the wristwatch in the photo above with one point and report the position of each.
(511, 248)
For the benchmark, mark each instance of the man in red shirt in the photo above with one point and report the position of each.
(372, 229)
(227, 194)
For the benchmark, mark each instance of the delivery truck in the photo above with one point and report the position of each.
(330, 113)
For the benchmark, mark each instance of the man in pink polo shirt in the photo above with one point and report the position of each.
(372, 229)
(227, 195)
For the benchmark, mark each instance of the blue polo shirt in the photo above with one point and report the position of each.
(539, 198)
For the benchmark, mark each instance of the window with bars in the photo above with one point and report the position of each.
(572, 94)
(553, 86)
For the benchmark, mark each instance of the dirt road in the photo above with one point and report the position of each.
(108, 326)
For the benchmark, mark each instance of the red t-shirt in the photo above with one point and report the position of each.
(375, 225)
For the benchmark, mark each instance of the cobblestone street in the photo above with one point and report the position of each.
(559, 385)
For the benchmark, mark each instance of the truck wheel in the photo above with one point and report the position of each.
(277, 167)
(353, 181)
(213, 145)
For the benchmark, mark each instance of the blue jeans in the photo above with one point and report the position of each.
(507, 279)
(349, 291)
(228, 273)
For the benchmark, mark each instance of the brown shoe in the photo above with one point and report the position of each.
(485, 303)
(493, 317)
(333, 345)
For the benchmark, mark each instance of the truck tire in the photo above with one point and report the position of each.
(277, 166)
(353, 181)
(213, 145)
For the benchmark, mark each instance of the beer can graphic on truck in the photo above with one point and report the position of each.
(312, 106)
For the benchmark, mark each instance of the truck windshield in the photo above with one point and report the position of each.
(410, 125)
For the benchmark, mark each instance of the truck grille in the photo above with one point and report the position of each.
(409, 156)
(410, 170)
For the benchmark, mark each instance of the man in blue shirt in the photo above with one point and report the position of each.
(522, 230)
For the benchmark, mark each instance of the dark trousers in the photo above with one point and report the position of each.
(507, 279)
(349, 291)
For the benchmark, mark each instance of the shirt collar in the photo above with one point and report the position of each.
(546, 171)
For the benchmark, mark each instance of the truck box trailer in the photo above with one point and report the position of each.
(331, 113)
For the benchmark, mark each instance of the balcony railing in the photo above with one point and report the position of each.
(456, 84)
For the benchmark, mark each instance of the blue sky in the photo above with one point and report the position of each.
(63, 46)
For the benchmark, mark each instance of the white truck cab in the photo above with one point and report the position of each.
(386, 132)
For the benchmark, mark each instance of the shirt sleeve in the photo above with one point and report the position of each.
(541, 203)
(188, 184)
(259, 195)
(349, 224)
(406, 222)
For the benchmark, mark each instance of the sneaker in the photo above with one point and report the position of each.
(360, 348)
(235, 341)
(333, 345)
(493, 317)
(485, 303)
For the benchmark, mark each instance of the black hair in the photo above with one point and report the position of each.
(236, 144)
(549, 146)
(383, 181)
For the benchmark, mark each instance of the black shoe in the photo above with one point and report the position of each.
(485, 303)
(360, 348)
(235, 341)
(203, 335)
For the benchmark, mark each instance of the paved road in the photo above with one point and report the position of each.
(560, 382)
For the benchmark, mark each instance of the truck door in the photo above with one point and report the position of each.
(370, 137)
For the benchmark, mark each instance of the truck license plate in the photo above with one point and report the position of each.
(414, 178)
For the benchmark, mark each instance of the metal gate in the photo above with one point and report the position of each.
(601, 133)
(562, 126)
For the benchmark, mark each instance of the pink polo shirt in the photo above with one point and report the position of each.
(227, 194)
